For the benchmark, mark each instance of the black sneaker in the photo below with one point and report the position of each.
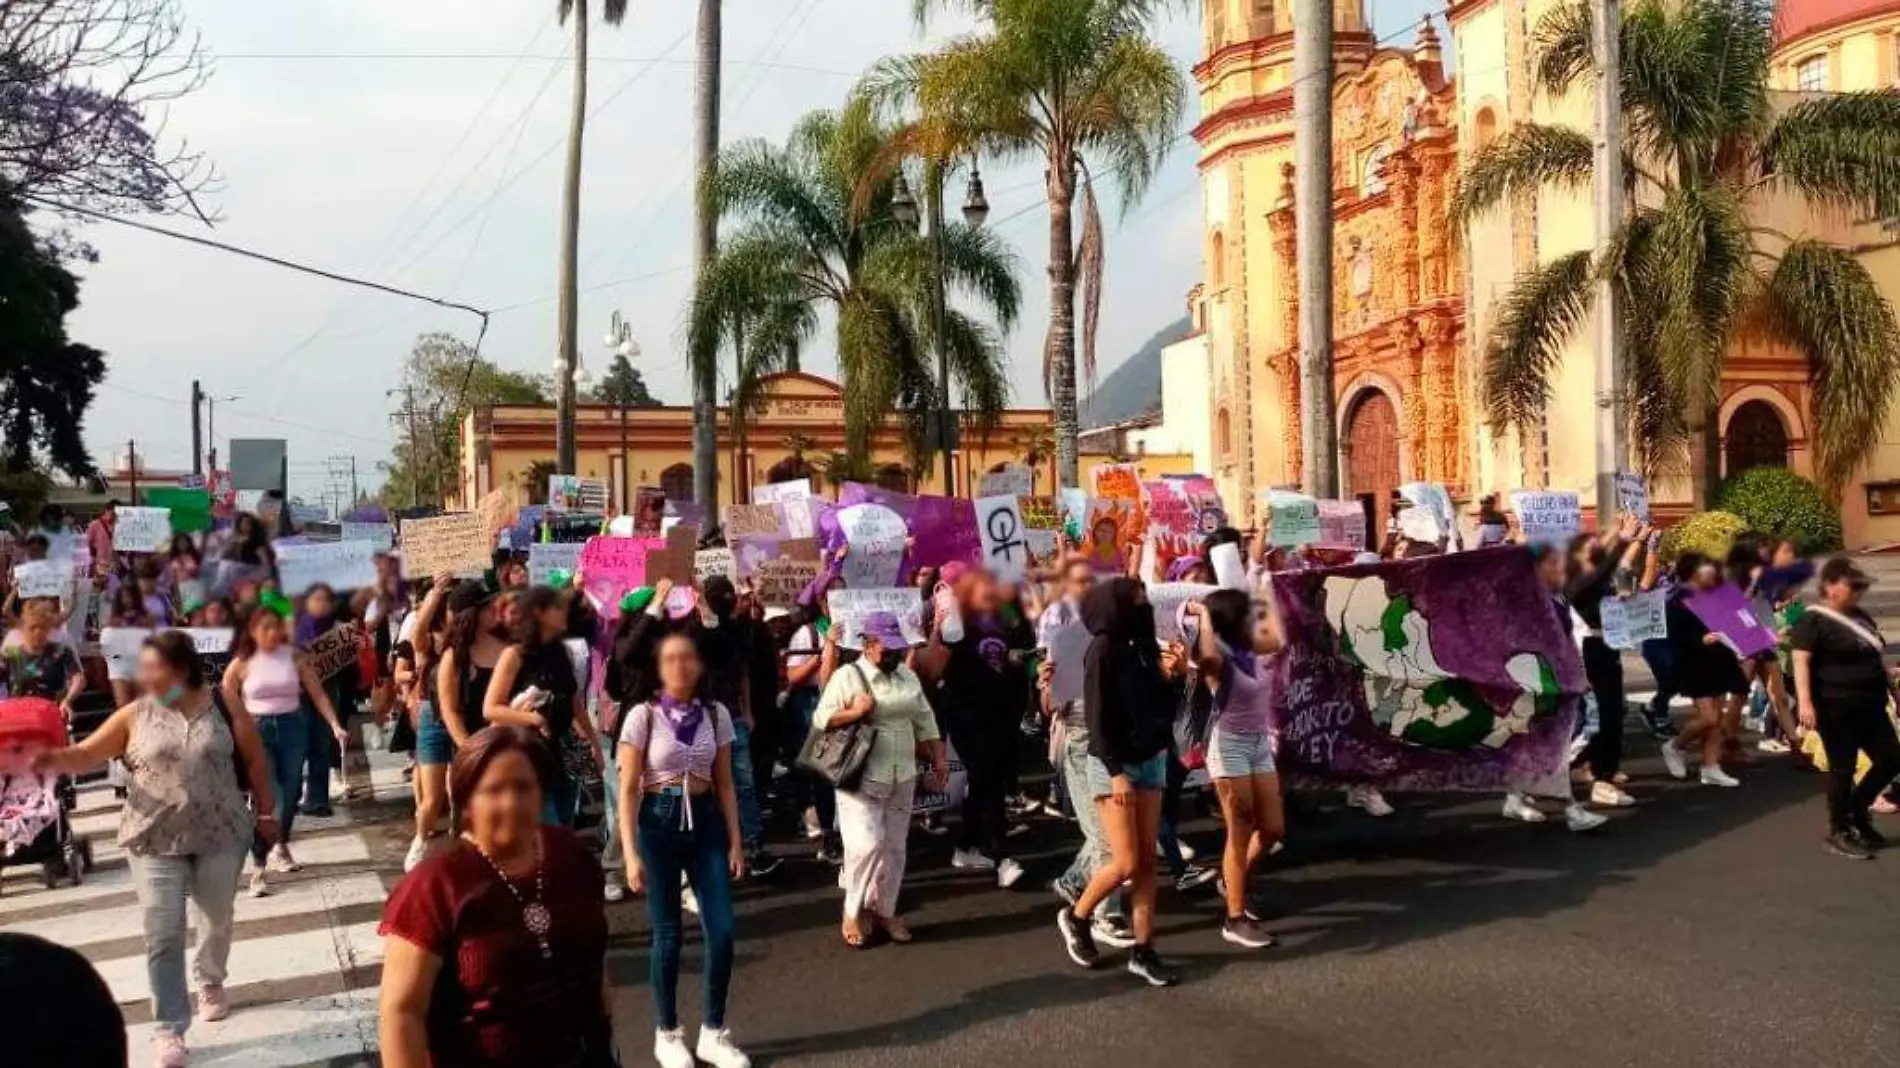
(1245, 931)
(1076, 939)
(1866, 835)
(1847, 844)
(1146, 964)
(1193, 877)
(319, 812)
(1061, 890)
(762, 864)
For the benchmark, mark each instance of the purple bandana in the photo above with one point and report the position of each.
(682, 718)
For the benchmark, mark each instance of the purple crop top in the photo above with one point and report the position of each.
(668, 761)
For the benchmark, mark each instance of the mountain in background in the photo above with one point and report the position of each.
(1135, 386)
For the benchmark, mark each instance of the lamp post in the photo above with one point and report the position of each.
(621, 343)
(976, 208)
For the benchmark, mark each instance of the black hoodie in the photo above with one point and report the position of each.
(1125, 700)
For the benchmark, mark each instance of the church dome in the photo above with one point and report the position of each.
(1796, 19)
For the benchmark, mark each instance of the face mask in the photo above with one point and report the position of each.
(890, 661)
(171, 697)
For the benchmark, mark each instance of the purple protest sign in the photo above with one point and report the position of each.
(1726, 612)
(1439, 673)
(942, 529)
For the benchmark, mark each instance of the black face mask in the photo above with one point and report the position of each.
(890, 660)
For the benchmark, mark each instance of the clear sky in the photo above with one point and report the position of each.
(420, 143)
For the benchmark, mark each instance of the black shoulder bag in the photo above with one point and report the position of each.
(838, 754)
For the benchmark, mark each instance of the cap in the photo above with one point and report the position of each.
(884, 629)
(1844, 569)
(468, 594)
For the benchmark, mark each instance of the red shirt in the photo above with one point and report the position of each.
(497, 1003)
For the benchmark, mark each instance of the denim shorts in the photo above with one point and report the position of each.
(434, 747)
(1150, 775)
(1238, 754)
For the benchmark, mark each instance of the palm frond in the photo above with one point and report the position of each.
(756, 180)
(1128, 118)
(1519, 164)
(1089, 256)
(979, 366)
(1699, 261)
(983, 263)
(1526, 345)
(1827, 305)
(1842, 149)
(1565, 48)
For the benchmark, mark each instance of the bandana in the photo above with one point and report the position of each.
(277, 603)
(636, 601)
(682, 718)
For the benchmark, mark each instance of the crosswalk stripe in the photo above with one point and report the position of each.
(86, 927)
(337, 1029)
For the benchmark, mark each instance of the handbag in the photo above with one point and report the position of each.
(237, 752)
(838, 754)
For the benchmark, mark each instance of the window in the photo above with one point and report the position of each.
(894, 478)
(1261, 22)
(1484, 128)
(1223, 432)
(1371, 182)
(1810, 75)
(1217, 260)
(677, 482)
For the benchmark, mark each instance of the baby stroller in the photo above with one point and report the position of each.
(35, 825)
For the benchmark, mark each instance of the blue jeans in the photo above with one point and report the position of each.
(286, 739)
(751, 822)
(320, 756)
(667, 851)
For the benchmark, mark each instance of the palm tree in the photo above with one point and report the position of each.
(706, 77)
(801, 246)
(1063, 84)
(567, 314)
(1704, 139)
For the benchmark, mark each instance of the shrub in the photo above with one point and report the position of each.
(1708, 533)
(1777, 503)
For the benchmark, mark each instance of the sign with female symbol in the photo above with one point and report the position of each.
(1005, 547)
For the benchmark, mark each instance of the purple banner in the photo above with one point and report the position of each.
(942, 529)
(1440, 673)
(1726, 612)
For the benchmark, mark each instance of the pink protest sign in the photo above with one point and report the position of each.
(611, 566)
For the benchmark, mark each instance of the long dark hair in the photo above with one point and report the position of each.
(128, 604)
(243, 642)
(535, 601)
(1230, 612)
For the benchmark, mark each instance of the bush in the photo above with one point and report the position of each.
(1777, 503)
(1708, 533)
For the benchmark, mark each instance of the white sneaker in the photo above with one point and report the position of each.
(1519, 807)
(168, 1051)
(971, 860)
(260, 886)
(689, 901)
(1772, 745)
(1370, 800)
(669, 1048)
(614, 890)
(1610, 795)
(281, 860)
(813, 832)
(716, 1049)
(1673, 759)
(1007, 873)
(418, 852)
(1580, 819)
(1713, 775)
(1187, 852)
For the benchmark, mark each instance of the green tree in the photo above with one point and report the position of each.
(625, 386)
(46, 380)
(1078, 87)
(447, 380)
(1704, 139)
(800, 244)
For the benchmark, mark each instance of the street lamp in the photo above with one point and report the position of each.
(976, 209)
(211, 423)
(620, 342)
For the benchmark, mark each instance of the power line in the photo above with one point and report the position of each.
(242, 414)
(795, 68)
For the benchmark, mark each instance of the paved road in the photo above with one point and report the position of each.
(1703, 928)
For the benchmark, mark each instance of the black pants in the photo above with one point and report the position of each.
(987, 746)
(1849, 727)
(1603, 666)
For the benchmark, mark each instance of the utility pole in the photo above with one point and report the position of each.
(1612, 419)
(706, 77)
(197, 437)
(132, 463)
(1313, 221)
(355, 493)
(408, 392)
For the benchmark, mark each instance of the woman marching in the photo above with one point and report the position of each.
(679, 816)
(1707, 672)
(461, 674)
(1843, 683)
(534, 686)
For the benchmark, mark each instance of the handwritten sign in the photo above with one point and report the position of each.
(950, 798)
(750, 520)
(1013, 480)
(1042, 521)
(876, 536)
(1229, 572)
(673, 559)
(457, 543)
(1630, 621)
(850, 607)
(1548, 517)
(545, 559)
(999, 521)
(1167, 599)
(1632, 495)
(120, 647)
(381, 535)
(142, 530)
(797, 489)
(572, 493)
(1342, 523)
(1292, 518)
(710, 562)
(779, 581)
(1118, 481)
(340, 565)
(43, 578)
(332, 651)
(611, 566)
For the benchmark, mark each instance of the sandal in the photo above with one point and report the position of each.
(854, 934)
(897, 931)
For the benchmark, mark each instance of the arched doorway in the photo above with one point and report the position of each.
(1756, 438)
(677, 482)
(1372, 457)
(893, 477)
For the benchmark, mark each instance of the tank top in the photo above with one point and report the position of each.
(272, 686)
(181, 792)
(475, 679)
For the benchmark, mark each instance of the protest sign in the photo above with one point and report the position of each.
(380, 535)
(1292, 518)
(1726, 612)
(710, 562)
(1118, 481)
(1068, 651)
(1428, 515)
(497, 516)
(649, 510)
(544, 559)
(120, 647)
(611, 566)
(43, 578)
(572, 493)
(942, 529)
(1168, 509)
(779, 581)
(1342, 524)
(999, 520)
(673, 558)
(1630, 621)
(797, 489)
(458, 543)
(1167, 598)
(753, 550)
(1105, 537)
(950, 798)
(1042, 521)
(849, 607)
(1229, 572)
(750, 520)
(1204, 498)
(1074, 505)
(1632, 495)
(876, 536)
(1013, 480)
(141, 530)
(214, 650)
(332, 651)
(340, 565)
(1547, 517)
(1444, 672)
(190, 508)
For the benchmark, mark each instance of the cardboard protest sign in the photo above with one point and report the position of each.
(1167, 599)
(750, 520)
(458, 543)
(340, 565)
(1632, 495)
(1343, 523)
(1547, 517)
(752, 552)
(849, 607)
(710, 562)
(1630, 621)
(497, 516)
(1012, 480)
(1445, 672)
(332, 651)
(544, 559)
(779, 581)
(141, 530)
(611, 566)
(1292, 518)
(572, 493)
(649, 510)
(43, 578)
(674, 559)
(380, 535)
(999, 520)
(1726, 612)
(877, 538)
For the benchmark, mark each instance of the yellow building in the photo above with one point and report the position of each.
(1412, 309)
(800, 420)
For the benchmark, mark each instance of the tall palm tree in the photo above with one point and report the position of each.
(567, 314)
(1077, 86)
(706, 80)
(1704, 140)
(801, 245)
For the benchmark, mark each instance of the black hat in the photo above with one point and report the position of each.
(469, 594)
